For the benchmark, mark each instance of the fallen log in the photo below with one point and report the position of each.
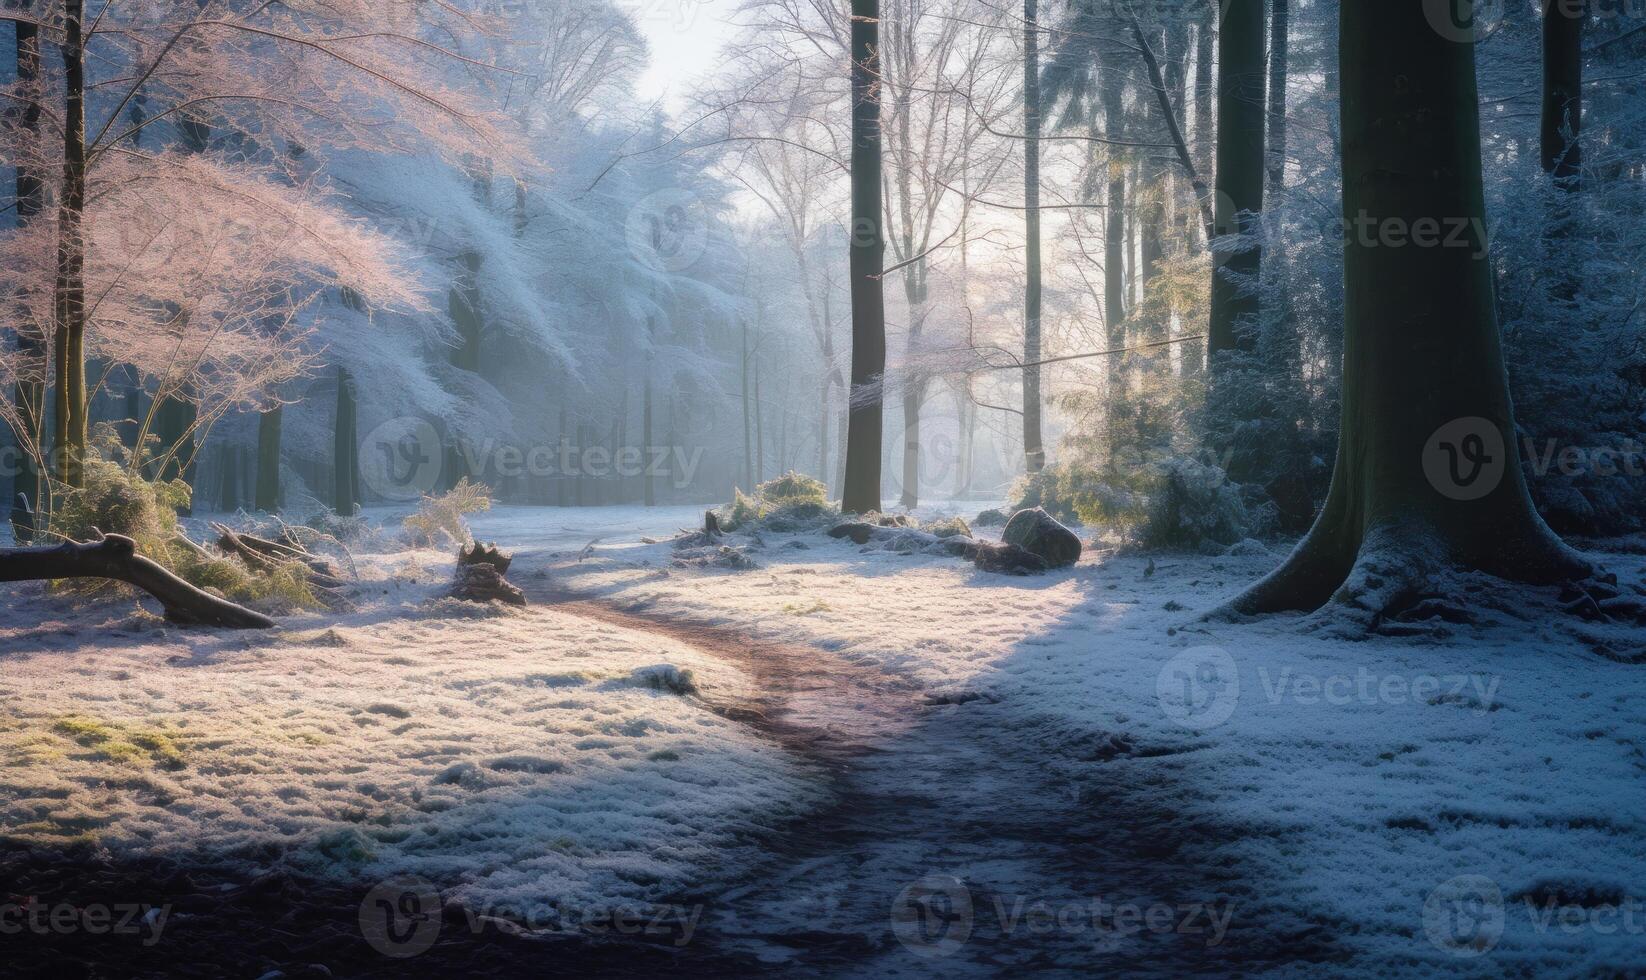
(115, 557)
(267, 557)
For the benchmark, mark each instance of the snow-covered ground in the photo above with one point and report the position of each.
(1075, 774)
(530, 763)
(1466, 800)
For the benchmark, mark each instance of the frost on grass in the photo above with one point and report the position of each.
(533, 761)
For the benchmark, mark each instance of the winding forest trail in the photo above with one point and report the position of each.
(947, 848)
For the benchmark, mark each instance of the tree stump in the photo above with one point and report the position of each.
(479, 576)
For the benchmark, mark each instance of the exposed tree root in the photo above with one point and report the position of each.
(1405, 579)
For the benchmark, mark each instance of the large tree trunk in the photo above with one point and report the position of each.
(1034, 454)
(267, 498)
(1427, 476)
(115, 557)
(29, 394)
(69, 291)
(868, 247)
(1240, 111)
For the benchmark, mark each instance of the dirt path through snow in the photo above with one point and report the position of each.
(946, 845)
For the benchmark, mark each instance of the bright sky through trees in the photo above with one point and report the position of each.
(686, 37)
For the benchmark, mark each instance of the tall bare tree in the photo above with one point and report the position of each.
(868, 249)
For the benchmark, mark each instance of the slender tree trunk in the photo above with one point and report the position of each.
(1114, 238)
(1240, 149)
(345, 447)
(268, 459)
(1428, 475)
(1116, 256)
(1034, 454)
(759, 425)
(29, 394)
(1563, 91)
(913, 396)
(842, 430)
(562, 447)
(868, 247)
(1192, 357)
(228, 485)
(1280, 20)
(748, 425)
(1204, 92)
(823, 428)
(650, 482)
(1562, 127)
(1286, 340)
(69, 291)
(133, 410)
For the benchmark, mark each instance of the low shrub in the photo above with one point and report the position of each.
(440, 520)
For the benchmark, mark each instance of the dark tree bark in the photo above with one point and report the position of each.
(1114, 237)
(748, 423)
(1563, 91)
(267, 497)
(1280, 23)
(1562, 150)
(759, 424)
(1166, 90)
(1205, 96)
(346, 447)
(228, 479)
(29, 394)
(649, 481)
(69, 290)
(1193, 358)
(1240, 111)
(1424, 387)
(868, 248)
(116, 558)
(1034, 454)
(174, 425)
